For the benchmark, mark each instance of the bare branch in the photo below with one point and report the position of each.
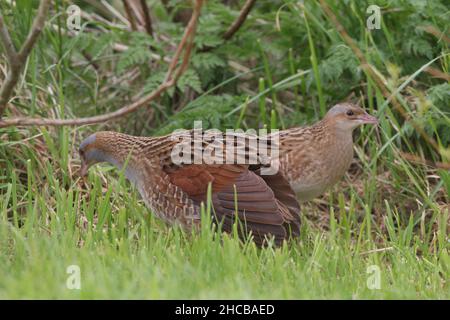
(188, 37)
(100, 8)
(437, 33)
(438, 74)
(36, 28)
(147, 19)
(90, 60)
(19, 59)
(138, 14)
(413, 158)
(116, 13)
(7, 42)
(172, 76)
(130, 15)
(236, 25)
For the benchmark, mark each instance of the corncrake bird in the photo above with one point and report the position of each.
(310, 160)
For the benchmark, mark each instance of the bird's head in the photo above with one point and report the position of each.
(348, 116)
(98, 147)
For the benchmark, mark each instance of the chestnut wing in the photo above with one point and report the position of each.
(241, 195)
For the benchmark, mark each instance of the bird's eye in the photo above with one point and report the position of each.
(349, 113)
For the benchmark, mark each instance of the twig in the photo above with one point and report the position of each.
(7, 42)
(115, 12)
(188, 37)
(88, 57)
(147, 19)
(366, 66)
(377, 250)
(413, 158)
(236, 25)
(438, 73)
(139, 16)
(130, 15)
(437, 33)
(100, 7)
(17, 60)
(172, 76)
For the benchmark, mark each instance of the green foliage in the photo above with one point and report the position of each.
(155, 79)
(418, 46)
(388, 211)
(96, 44)
(440, 96)
(139, 52)
(189, 79)
(207, 61)
(200, 109)
(339, 60)
(209, 32)
(208, 65)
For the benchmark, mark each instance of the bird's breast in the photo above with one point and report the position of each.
(311, 171)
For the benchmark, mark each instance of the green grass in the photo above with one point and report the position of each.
(123, 252)
(387, 212)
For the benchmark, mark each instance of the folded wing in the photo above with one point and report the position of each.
(264, 206)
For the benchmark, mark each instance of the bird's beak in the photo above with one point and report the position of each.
(367, 118)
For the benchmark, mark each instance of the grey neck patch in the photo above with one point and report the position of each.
(97, 155)
(101, 156)
(87, 141)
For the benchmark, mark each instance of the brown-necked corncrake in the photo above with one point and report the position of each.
(310, 160)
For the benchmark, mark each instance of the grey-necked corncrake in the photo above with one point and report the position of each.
(311, 159)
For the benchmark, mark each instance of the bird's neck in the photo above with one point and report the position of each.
(317, 161)
(336, 135)
(343, 137)
(340, 153)
(339, 142)
(122, 156)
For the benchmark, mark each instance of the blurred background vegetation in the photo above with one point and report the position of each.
(285, 66)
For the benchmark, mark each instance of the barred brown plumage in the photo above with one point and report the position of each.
(310, 159)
